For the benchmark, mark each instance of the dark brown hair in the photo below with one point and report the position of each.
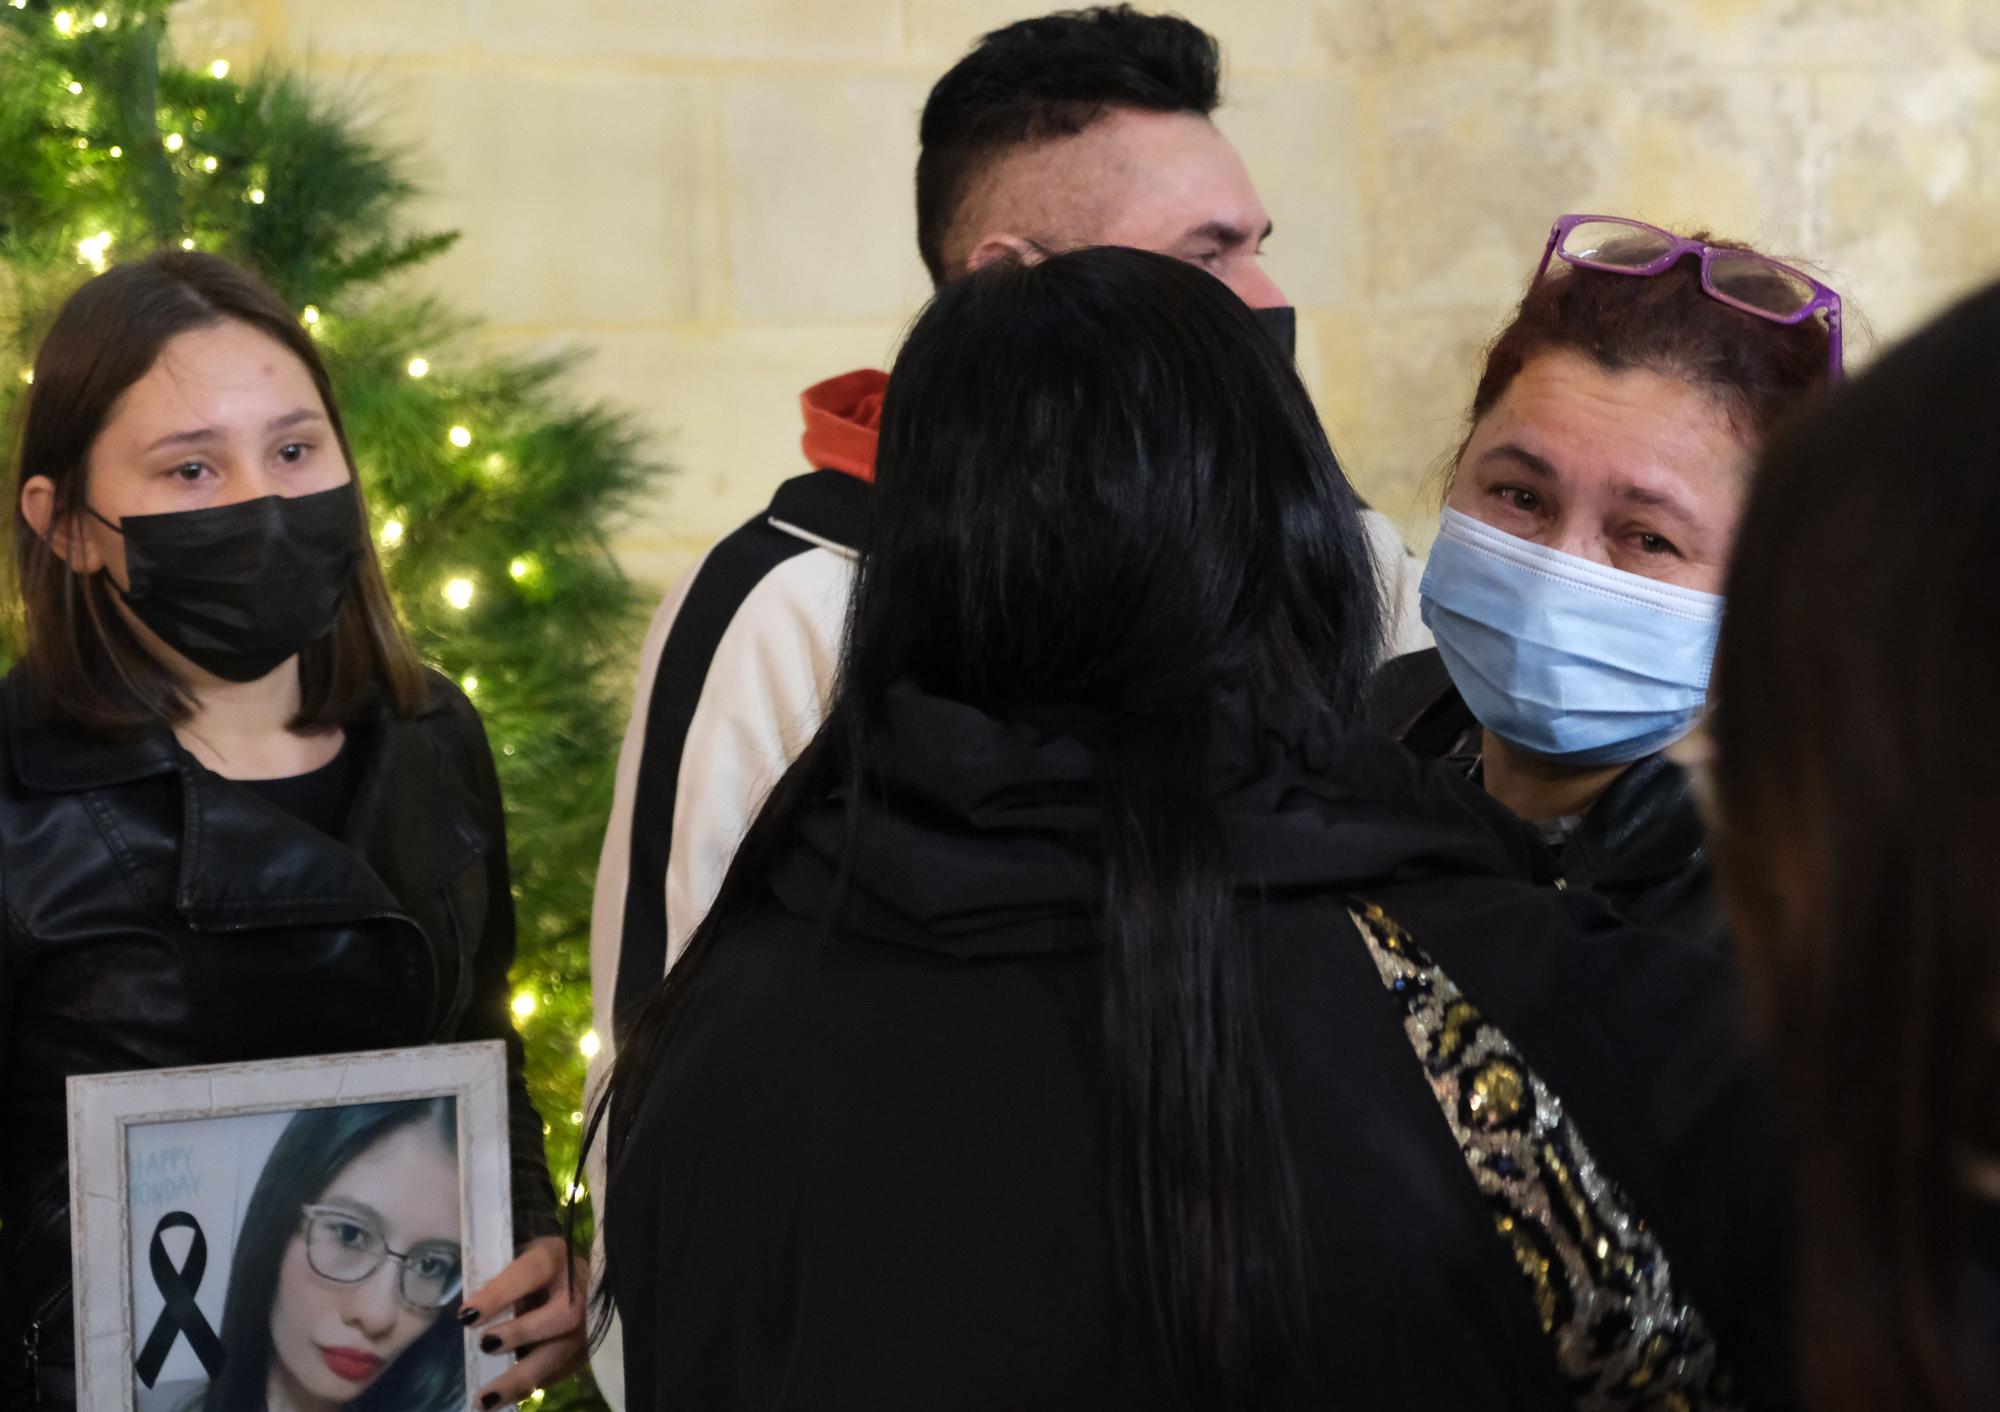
(82, 660)
(1755, 369)
(1857, 825)
(1044, 78)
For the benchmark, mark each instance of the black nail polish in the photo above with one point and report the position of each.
(490, 1344)
(468, 1316)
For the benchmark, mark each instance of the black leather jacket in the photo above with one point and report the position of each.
(1641, 846)
(159, 915)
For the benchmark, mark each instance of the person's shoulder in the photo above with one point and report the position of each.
(1404, 689)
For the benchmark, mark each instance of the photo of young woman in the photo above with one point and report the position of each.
(346, 1268)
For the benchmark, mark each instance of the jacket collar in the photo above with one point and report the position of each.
(409, 826)
(56, 758)
(844, 422)
(1643, 827)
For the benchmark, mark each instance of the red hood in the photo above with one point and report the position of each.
(843, 422)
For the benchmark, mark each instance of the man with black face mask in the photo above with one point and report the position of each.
(1087, 127)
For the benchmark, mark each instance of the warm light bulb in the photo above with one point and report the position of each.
(420, 367)
(83, 144)
(310, 313)
(100, 19)
(65, 22)
(209, 164)
(392, 533)
(469, 684)
(118, 151)
(256, 196)
(520, 569)
(589, 1044)
(461, 437)
(524, 1004)
(219, 69)
(94, 250)
(75, 87)
(188, 243)
(174, 142)
(458, 593)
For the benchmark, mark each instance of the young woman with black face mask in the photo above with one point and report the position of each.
(1095, 1017)
(238, 819)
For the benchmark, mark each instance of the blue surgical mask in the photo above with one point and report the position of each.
(1562, 657)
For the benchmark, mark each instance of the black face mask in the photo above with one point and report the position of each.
(1282, 323)
(240, 588)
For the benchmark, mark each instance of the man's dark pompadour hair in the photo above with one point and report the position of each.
(1045, 78)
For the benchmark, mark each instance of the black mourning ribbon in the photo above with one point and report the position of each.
(182, 1316)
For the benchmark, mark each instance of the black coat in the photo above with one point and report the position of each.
(159, 915)
(870, 1171)
(1642, 846)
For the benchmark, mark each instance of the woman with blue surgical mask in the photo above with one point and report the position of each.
(1574, 589)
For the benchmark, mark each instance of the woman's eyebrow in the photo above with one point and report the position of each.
(294, 418)
(1524, 458)
(356, 1208)
(203, 435)
(1649, 498)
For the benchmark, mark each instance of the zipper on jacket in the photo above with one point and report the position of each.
(31, 1337)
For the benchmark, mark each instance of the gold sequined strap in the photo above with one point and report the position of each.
(1622, 1334)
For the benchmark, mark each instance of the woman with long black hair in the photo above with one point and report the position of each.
(1094, 1017)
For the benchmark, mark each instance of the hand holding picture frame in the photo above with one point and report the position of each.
(298, 1231)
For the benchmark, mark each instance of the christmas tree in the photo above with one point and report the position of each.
(491, 492)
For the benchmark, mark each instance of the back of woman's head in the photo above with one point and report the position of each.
(1859, 817)
(1102, 490)
(1105, 507)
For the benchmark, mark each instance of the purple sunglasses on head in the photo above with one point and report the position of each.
(1742, 279)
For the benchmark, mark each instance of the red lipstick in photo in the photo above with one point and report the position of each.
(354, 1364)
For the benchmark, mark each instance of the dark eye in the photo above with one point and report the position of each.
(1652, 543)
(188, 471)
(350, 1234)
(435, 1265)
(293, 452)
(1517, 498)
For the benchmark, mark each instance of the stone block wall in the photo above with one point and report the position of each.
(713, 196)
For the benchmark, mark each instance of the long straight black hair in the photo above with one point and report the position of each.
(1104, 498)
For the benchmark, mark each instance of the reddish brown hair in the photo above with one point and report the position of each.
(1858, 823)
(82, 661)
(1755, 369)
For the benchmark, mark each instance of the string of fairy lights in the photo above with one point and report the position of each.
(459, 590)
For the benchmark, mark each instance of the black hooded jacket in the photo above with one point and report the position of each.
(1642, 846)
(158, 915)
(870, 1172)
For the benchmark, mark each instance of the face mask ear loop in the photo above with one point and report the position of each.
(91, 510)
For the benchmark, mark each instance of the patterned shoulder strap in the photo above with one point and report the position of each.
(1622, 1334)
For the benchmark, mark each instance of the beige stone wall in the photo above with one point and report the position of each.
(713, 196)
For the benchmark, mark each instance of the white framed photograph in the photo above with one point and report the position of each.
(296, 1233)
